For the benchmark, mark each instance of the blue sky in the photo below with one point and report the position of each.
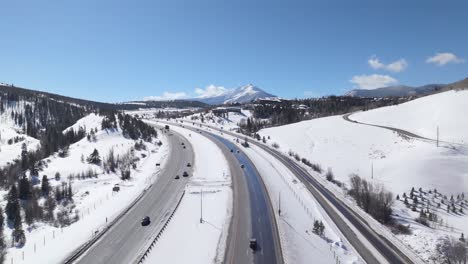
(126, 50)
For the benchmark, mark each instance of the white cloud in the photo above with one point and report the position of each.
(396, 66)
(444, 58)
(210, 91)
(166, 96)
(373, 81)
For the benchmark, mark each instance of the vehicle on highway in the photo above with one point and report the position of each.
(166, 127)
(183, 147)
(238, 151)
(242, 166)
(145, 221)
(253, 244)
(177, 177)
(182, 143)
(232, 150)
(189, 165)
(185, 174)
(158, 164)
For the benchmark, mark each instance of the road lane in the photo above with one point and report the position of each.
(123, 242)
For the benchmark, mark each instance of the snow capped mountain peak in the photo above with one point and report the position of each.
(241, 94)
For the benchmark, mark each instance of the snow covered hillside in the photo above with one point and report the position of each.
(397, 162)
(80, 199)
(422, 116)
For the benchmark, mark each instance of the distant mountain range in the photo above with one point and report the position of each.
(396, 91)
(243, 94)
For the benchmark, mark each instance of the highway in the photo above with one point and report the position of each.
(341, 214)
(126, 239)
(253, 215)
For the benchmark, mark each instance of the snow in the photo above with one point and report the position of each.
(10, 130)
(422, 116)
(93, 197)
(91, 121)
(9, 153)
(397, 162)
(200, 243)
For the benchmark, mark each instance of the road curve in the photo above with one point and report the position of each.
(253, 214)
(332, 205)
(126, 239)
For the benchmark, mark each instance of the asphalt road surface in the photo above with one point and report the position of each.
(332, 205)
(124, 241)
(253, 215)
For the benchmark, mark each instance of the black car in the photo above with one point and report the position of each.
(177, 177)
(185, 174)
(184, 146)
(232, 150)
(145, 221)
(242, 166)
(253, 244)
(189, 165)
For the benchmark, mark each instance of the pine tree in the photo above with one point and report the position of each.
(45, 186)
(94, 157)
(12, 207)
(2, 238)
(24, 188)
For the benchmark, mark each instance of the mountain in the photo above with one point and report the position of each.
(243, 94)
(396, 91)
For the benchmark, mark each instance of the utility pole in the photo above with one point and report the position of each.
(372, 170)
(279, 203)
(201, 206)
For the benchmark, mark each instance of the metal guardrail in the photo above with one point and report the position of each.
(155, 240)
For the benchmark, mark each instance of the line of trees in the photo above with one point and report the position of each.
(372, 198)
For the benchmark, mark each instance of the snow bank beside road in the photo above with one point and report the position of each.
(186, 240)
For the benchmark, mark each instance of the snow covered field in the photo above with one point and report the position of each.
(94, 201)
(397, 162)
(186, 240)
(422, 116)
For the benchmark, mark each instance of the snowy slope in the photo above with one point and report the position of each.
(94, 201)
(399, 163)
(422, 116)
(9, 130)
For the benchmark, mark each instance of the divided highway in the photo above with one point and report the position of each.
(253, 215)
(341, 214)
(126, 239)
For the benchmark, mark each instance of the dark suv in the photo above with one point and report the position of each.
(185, 174)
(145, 221)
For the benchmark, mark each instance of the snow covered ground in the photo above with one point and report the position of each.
(422, 116)
(9, 149)
(397, 162)
(95, 202)
(199, 242)
(230, 122)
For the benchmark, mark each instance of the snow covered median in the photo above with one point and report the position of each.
(186, 240)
